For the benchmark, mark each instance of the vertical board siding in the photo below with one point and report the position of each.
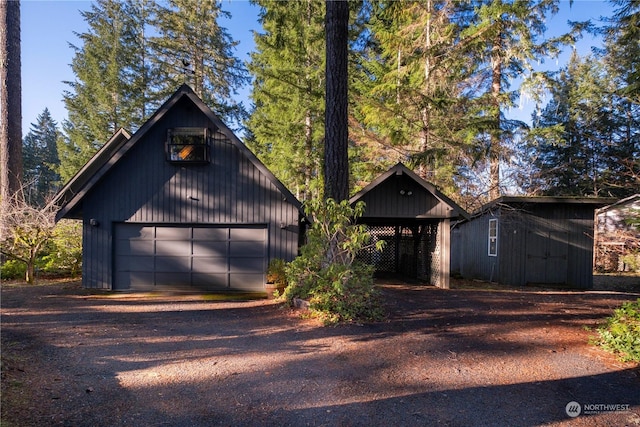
(144, 188)
(537, 243)
(386, 200)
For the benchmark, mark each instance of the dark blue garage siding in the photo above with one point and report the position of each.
(149, 221)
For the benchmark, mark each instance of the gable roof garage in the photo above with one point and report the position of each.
(181, 204)
(527, 241)
(413, 218)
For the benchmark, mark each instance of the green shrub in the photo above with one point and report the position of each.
(12, 269)
(276, 271)
(64, 249)
(632, 260)
(621, 333)
(338, 288)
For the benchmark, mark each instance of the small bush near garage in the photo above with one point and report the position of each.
(338, 287)
(12, 269)
(621, 333)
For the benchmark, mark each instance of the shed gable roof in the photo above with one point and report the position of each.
(593, 202)
(69, 198)
(400, 170)
(630, 202)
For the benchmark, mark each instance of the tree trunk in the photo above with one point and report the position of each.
(336, 162)
(10, 104)
(495, 148)
(31, 270)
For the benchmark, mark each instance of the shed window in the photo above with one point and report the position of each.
(188, 145)
(493, 237)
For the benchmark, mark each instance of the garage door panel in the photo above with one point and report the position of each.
(173, 233)
(211, 234)
(251, 265)
(136, 232)
(203, 248)
(135, 263)
(141, 280)
(251, 234)
(141, 247)
(173, 247)
(246, 249)
(172, 279)
(167, 264)
(128, 247)
(210, 265)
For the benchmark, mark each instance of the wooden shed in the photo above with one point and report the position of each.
(180, 204)
(413, 217)
(528, 240)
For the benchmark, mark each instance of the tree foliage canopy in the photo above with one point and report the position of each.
(430, 83)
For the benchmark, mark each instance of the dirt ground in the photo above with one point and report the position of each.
(459, 357)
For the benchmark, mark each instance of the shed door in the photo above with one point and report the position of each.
(547, 254)
(154, 257)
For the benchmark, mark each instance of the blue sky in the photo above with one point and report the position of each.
(48, 26)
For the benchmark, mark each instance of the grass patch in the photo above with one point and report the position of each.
(621, 332)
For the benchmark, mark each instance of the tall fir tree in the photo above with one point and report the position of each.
(192, 47)
(622, 59)
(41, 162)
(503, 39)
(573, 148)
(110, 72)
(622, 47)
(286, 124)
(409, 87)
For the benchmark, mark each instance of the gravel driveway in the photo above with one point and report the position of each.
(443, 357)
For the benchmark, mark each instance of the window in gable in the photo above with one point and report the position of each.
(188, 145)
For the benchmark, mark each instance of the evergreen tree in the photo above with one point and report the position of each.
(110, 71)
(40, 159)
(503, 40)
(622, 47)
(409, 96)
(288, 93)
(572, 137)
(193, 48)
(622, 59)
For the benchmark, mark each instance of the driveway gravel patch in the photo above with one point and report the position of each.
(459, 357)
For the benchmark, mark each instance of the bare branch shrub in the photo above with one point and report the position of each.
(25, 230)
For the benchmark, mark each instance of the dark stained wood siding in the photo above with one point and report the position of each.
(144, 188)
(401, 197)
(469, 252)
(538, 243)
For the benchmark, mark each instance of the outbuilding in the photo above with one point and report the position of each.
(180, 204)
(413, 218)
(528, 241)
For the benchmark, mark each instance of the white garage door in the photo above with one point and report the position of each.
(149, 257)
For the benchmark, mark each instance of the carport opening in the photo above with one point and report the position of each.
(411, 251)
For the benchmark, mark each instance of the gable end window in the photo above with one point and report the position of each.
(493, 237)
(188, 145)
